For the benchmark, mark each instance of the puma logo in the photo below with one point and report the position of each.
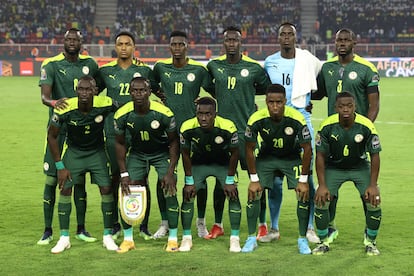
(221, 70)
(335, 137)
(266, 130)
(168, 74)
(74, 123)
(62, 71)
(196, 140)
(131, 125)
(330, 72)
(112, 76)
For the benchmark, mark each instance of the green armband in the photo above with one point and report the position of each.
(230, 179)
(59, 165)
(189, 180)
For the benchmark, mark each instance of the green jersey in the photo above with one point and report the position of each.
(354, 77)
(116, 79)
(347, 148)
(181, 86)
(63, 75)
(282, 139)
(212, 146)
(236, 86)
(149, 131)
(84, 131)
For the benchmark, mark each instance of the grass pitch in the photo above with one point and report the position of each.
(23, 128)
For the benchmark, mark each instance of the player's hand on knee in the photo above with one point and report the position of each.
(254, 190)
(189, 192)
(302, 191)
(322, 195)
(230, 190)
(169, 183)
(372, 195)
(63, 176)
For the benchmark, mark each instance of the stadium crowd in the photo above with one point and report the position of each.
(39, 21)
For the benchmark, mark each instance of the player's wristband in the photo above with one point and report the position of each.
(59, 165)
(303, 178)
(53, 103)
(189, 180)
(124, 174)
(254, 177)
(230, 179)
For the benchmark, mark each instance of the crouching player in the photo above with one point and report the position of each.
(209, 147)
(84, 117)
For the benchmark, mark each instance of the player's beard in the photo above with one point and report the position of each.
(72, 52)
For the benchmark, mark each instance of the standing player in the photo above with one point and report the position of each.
(209, 147)
(116, 76)
(59, 77)
(237, 80)
(181, 79)
(284, 137)
(83, 117)
(154, 142)
(341, 146)
(296, 70)
(348, 72)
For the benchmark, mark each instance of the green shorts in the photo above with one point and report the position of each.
(79, 162)
(201, 172)
(110, 143)
(139, 165)
(334, 179)
(242, 151)
(268, 167)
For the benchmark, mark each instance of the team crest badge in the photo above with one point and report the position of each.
(155, 124)
(134, 205)
(288, 131)
(98, 119)
(318, 140)
(43, 74)
(191, 77)
(376, 142)
(85, 70)
(358, 138)
(55, 118)
(218, 140)
(353, 75)
(248, 132)
(136, 74)
(182, 139)
(244, 73)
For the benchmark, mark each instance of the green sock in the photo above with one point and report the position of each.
(253, 211)
(162, 205)
(79, 197)
(302, 211)
(147, 211)
(187, 213)
(49, 199)
(262, 215)
(322, 222)
(373, 221)
(219, 200)
(235, 213)
(201, 203)
(64, 210)
(107, 204)
(173, 211)
(332, 210)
